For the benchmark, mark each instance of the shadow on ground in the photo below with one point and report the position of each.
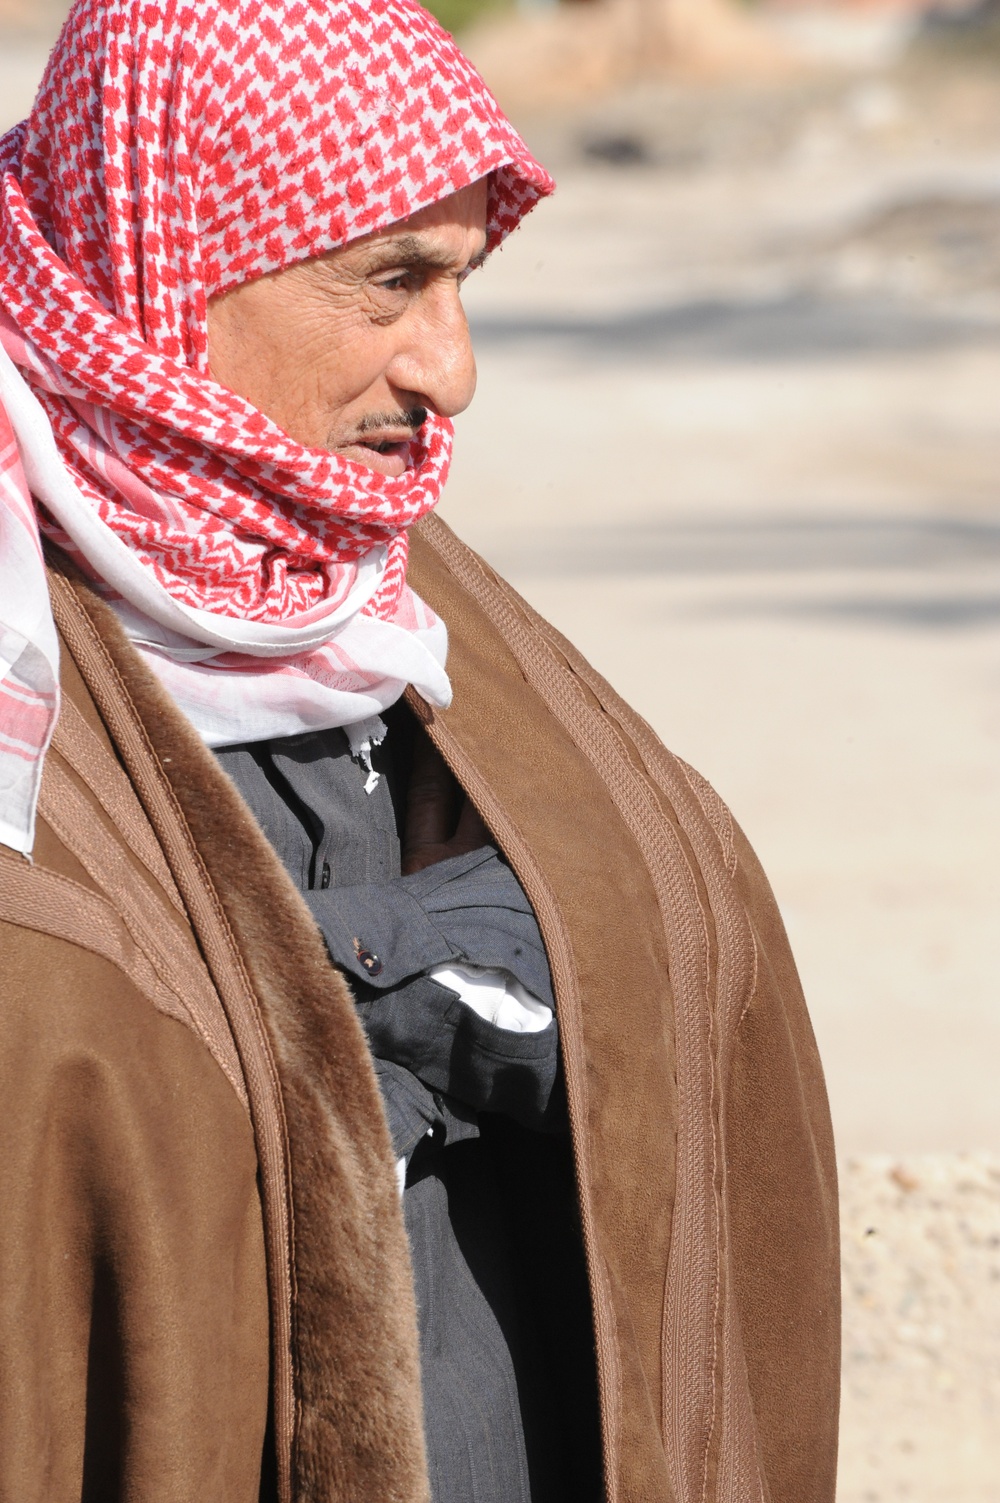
(936, 548)
(799, 326)
(759, 545)
(931, 613)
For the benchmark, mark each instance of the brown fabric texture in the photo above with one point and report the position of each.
(701, 1128)
(355, 1416)
(205, 1232)
(133, 1307)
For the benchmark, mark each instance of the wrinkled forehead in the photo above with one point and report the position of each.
(244, 135)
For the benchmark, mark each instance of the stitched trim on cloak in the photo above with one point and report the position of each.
(156, 933)
(736, 1463)
(231, 980)
(706, 1395)
(104, 775)
(50, 903)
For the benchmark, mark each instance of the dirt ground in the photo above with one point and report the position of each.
(737, 434)
(921, 1284)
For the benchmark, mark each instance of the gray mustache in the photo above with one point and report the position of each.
(414, 418)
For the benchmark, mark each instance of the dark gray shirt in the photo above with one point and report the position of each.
(441, 1068)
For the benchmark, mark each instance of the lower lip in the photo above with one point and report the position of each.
(391, 461)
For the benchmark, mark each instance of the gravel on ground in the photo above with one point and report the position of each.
(921, 1285)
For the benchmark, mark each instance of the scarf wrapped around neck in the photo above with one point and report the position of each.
(175, 152)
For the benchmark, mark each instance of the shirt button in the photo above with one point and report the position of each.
(324, 876)
(368, 958)
(370, 961)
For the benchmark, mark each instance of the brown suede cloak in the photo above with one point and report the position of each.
(202, 1258)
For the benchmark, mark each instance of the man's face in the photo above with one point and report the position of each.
(346, 351)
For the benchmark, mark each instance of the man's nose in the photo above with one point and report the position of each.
(436, 363)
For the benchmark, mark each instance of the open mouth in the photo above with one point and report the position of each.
(391, 456)
(399, 430)
(385, 441)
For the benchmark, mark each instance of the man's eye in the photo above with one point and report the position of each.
(398, 281)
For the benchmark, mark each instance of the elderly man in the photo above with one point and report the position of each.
(407, 1091)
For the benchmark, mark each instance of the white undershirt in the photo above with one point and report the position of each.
(495, 996)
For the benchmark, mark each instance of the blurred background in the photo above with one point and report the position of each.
(738, 435)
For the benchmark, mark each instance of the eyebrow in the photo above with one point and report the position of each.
(411, 251)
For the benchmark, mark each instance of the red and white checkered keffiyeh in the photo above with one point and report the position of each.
(174, 152)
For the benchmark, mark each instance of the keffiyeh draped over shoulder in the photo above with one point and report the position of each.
(174, 152)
